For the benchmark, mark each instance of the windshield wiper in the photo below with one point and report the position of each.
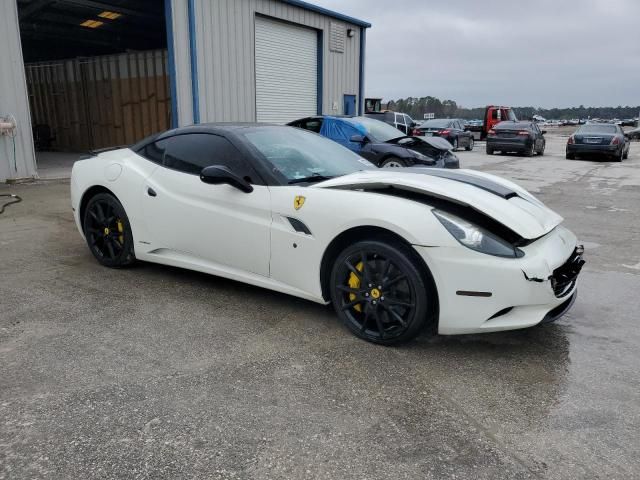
(316, 177)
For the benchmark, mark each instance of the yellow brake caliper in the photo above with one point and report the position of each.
(354, 282)
(121, 231)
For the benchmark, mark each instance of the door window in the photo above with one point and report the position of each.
(155, 151)
(313, 124)
(190, 153)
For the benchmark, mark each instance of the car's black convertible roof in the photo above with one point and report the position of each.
(218, 127)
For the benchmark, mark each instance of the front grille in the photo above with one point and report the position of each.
(564, 277)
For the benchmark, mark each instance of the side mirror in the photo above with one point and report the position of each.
(358, 139)
(544, 132)
(219, 174)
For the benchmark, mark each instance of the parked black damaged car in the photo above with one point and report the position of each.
(380, 143)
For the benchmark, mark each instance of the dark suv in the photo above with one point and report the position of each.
(401, 121)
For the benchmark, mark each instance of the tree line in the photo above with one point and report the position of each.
(417, 107)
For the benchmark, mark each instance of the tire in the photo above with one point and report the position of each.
(455, 144)
(489, 150)
(532, 151)
(619, 158)
(570, 156)
(108, 231)
(469, 147)
(626, 155)
(541, 152)
(393, 162)
(380, 294)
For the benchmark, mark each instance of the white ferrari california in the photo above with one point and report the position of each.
(396, 251)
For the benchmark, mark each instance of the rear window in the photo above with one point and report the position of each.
(436, 124)
(512, 126)
(609, 129)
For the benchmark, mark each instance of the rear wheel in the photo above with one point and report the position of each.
(393, 162)
(619, 157)
(108, 232)
(541, 152)
(626, 155)
(379, 293)
(470, 146)
(531, 151)
(489, 150)
(570, 156)
(455, 143)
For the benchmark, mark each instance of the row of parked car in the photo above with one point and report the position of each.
(392, 139)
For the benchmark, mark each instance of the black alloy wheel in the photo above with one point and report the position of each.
(108, 232)
(379, 294)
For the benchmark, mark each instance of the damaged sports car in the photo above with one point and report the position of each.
(397, 252)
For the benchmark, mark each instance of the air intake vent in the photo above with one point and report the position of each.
(336, 38)
(298, 226)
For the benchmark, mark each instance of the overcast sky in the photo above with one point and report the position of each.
(542, 53)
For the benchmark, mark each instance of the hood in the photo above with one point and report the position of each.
(499, 199)
(413, 142)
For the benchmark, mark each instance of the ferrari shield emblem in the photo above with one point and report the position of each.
(298, 202)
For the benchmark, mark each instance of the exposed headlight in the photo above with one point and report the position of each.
(475, 237)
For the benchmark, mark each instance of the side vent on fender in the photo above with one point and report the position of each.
(298, 226)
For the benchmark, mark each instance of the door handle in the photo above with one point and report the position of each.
(151, 192)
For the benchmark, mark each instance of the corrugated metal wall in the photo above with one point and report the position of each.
(19, 162)
(103, 101)
(225, 41)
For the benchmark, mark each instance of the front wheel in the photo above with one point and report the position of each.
(393, 162)
(108, 232)
(380, 294)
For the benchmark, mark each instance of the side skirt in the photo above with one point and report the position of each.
(189, 262)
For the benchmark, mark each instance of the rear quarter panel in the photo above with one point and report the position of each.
(123, 173)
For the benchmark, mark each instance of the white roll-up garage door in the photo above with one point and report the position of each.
(286, 71)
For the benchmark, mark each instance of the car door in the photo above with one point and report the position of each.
(215, 223)
(400, 124)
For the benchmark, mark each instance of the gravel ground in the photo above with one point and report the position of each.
(156, 372)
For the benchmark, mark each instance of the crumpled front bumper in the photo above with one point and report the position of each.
(482, 293)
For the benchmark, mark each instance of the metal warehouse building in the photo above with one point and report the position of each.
(79, 75)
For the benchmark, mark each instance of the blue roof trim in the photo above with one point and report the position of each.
(363, 42)
(327, 12)
(194, 61)
(168, 15)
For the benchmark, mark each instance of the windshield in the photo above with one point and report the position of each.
(297, 154)
(598, 129)
(376, 130)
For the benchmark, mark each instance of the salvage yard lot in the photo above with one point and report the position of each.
(159, 372)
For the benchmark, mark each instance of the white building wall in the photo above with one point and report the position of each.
(225, 46)
(13, 99)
